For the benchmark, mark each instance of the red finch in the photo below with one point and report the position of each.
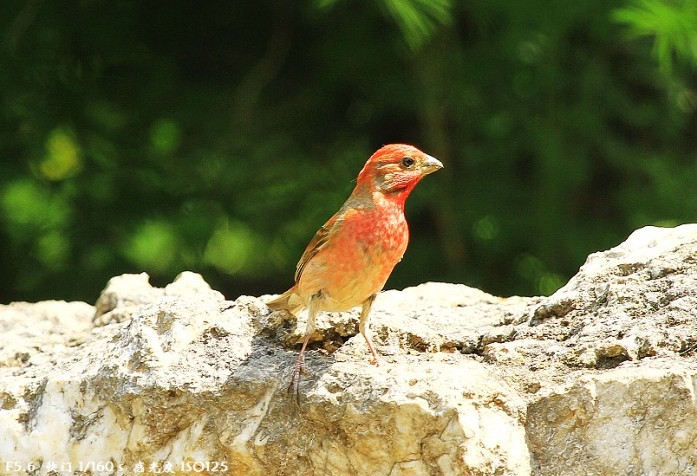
(350, 258)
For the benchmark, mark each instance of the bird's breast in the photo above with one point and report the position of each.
(358, 259)
(376, 236)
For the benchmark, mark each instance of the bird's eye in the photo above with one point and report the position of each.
(408, 162)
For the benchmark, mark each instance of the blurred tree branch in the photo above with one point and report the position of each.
(21, 23)
(248, 91)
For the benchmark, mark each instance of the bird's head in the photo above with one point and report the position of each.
(395, 169)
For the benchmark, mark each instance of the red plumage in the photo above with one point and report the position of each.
(350, 258)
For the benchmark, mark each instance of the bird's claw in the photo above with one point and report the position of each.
(298, 371)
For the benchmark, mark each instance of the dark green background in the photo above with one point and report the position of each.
(164, 136)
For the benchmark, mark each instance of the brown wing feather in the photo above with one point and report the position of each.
(318, 242)
(289, 300)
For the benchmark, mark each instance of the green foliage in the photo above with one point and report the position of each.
(673, 24)
(163, 136)
(417, 19)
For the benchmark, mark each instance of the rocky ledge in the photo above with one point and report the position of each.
(598, 378)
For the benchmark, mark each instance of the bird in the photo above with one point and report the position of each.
(348, 261)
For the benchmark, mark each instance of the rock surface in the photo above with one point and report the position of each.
(597, 379)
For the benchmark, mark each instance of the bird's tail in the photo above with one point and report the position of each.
(288, 301)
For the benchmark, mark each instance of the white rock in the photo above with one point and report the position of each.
(595, 379)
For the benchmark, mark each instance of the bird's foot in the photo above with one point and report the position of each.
(298, 371)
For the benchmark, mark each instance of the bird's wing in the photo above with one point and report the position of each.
(318, 242)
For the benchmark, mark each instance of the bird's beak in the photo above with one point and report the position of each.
(430, 165)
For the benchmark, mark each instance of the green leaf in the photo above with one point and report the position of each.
(673, 24)
(419, 19)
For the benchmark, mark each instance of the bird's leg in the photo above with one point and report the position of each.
(363, 327)
(299, 366)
